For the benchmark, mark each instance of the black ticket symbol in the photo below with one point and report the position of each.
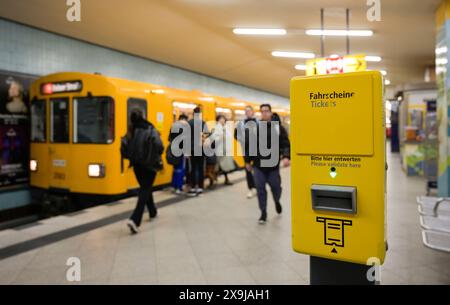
(334, 231)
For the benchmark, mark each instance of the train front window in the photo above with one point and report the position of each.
(38, 121)
(93, 120)
(59, 120)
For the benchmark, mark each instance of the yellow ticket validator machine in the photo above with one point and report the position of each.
(339, 168)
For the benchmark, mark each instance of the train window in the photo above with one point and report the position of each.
(227, 113)
(38, 121)
(93, 120)
(136, 103)
(59, 120)
(180, 108)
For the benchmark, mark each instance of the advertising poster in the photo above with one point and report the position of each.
(14, 128)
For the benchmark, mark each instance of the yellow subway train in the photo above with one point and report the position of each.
(78, 119)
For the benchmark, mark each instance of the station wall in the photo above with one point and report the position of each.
(32, 51)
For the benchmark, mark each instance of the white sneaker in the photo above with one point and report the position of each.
(192, 193)
(132, 226)
(251, 194)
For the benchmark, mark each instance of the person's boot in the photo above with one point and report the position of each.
(263, 218)
(278, 207)
(228, 182)
(153, 213)
(211, 183)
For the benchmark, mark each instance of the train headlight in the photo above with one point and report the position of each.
(33, 165)
(96, 170)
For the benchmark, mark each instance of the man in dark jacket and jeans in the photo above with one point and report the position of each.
(143, 147)
(266, 163)
(197, 158)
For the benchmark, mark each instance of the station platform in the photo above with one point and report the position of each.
(211, 239)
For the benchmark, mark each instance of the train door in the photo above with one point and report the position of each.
(59, 145)
(160, 114)
(140, 104)
(39, 156)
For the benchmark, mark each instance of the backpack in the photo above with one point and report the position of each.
(157, 151)
(124, 147)
(144, 149)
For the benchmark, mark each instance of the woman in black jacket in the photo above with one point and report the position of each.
(144, 149)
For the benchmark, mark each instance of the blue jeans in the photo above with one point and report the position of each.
(271, 177)
(197, 171)
(179, 172)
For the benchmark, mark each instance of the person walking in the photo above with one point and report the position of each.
(197, 158)
(269, 172)
(220, 137)
(143, 147)
(244, 131)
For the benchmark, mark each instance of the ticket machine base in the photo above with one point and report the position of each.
(332, 272)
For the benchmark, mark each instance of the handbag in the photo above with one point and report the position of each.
(171, 158)
(226, 164)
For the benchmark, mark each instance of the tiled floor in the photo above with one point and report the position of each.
(214, 239)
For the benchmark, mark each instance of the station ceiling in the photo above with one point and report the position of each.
(197, 34)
